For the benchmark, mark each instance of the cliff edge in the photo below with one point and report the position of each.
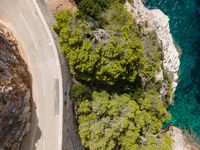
(15, 93)
(156, 21)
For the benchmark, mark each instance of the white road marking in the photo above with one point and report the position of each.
(29, 29)
(49, 43)
(43, 86)
(56, 55)
(43, 141)
(56, 96)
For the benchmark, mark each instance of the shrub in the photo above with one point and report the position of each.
(94, 8)
(80, 92)
(112, 57)
(117, 122)
(119, 58)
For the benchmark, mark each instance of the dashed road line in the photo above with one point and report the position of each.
(29, 29)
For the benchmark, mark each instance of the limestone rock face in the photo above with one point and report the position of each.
(180, 142)
(156, 21)
(15, 94)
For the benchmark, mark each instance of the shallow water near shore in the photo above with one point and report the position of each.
(185, 27)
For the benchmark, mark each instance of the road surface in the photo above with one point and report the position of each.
(41, 56)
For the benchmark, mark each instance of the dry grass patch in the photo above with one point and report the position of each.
(57, 5)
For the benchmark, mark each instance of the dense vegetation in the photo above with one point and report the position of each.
(116, 100)
(94, 8)
(118, 122)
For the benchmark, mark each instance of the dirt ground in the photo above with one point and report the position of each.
(57, 5)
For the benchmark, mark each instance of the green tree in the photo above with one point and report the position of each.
(117, 17)
(94, 8)
(119, 57)
(80, 92)
(117, 122)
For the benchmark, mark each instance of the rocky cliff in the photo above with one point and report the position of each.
(156, 21)
(15, 93)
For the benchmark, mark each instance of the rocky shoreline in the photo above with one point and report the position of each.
(156, 21)
(15, 93)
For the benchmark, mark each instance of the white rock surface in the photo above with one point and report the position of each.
(156, 21)
(159, 75)
(179, 139)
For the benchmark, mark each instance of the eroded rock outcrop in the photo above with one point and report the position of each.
(15, 93)
(156, 21)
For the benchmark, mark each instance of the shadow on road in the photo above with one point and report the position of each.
(34, 133)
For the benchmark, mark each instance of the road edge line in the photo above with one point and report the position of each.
(59, 66)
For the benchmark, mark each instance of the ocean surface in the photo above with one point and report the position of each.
(185, 27)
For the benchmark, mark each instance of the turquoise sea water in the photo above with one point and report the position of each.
(185, 27)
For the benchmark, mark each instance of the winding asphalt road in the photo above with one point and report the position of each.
(41, 56)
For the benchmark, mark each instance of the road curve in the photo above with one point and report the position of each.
(40, 53)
